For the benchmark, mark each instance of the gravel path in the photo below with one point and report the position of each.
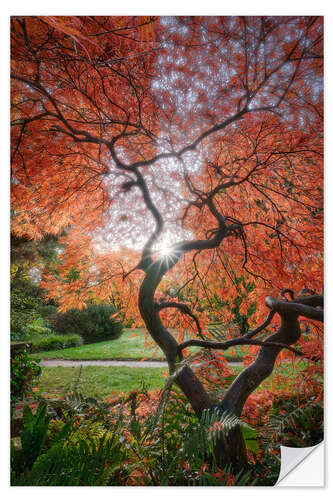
(105, 362)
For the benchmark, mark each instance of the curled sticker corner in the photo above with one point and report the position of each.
(302, 466)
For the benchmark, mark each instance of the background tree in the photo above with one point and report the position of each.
(196, 141)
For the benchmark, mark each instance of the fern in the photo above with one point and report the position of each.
(93, 449)
(75, 404)
(34, 433)
(217, 332)
(296, 426)
(226, 419)
(80, 404)
(84, 463)
(175, 436)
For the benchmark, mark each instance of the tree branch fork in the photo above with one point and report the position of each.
(309, 306)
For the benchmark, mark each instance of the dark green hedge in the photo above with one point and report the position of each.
(50, 342)
(94, 323)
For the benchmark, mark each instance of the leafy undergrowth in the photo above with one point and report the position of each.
(152, 439)
(132, 344)
(138, 440)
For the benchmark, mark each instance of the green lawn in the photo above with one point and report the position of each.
(101, 381)
(96, 381)
(130, 345)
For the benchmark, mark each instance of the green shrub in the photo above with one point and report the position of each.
(94, 323)
(22, 372)
(33, 433)
(24, 302)
(29, 313)
(52, 341)
(36, 328)
(47, 312)
(33, 439)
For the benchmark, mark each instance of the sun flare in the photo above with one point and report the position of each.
(164, 251)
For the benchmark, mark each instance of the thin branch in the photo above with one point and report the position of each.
(259, 328)
(230, 343)
(184, 308)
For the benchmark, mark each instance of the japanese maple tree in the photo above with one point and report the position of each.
(181, 159)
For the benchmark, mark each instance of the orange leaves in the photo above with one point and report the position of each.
(257, 407)
(82, 274)
(243, 307)
(114, 315)
(58, 197)
(73, 27)
(147, 32)
(212, 368)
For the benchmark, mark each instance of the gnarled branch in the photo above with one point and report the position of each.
(299, 307)
(231, 343)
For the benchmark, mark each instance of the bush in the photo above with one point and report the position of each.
(29, 315)
(47, 312)
(24, 302)
(36, 329)
(94, 323)
(50, 342)
(22, 372)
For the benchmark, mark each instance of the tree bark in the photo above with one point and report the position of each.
(228, 450)
(186, 380)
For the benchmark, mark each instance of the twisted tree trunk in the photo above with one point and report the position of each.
(230, 449)
(187, 381)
